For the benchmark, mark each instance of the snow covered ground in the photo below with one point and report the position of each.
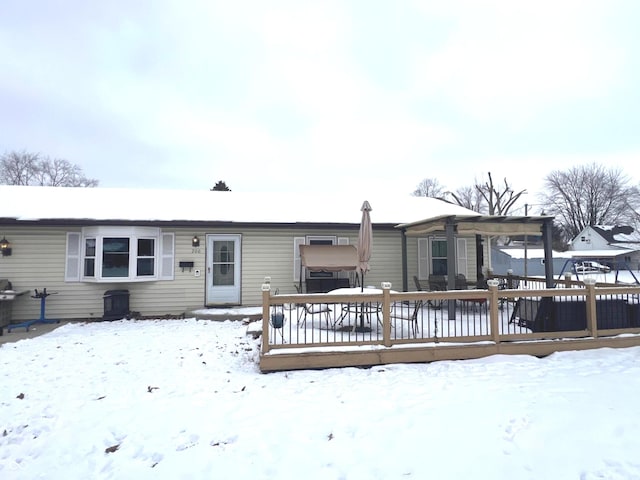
(184, 399)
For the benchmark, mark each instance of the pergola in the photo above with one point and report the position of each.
(479, 225)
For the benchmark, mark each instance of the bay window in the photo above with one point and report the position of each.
(119, 254)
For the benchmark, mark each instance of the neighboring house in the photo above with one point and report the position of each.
(501, 261)
(617, 246)
(174, 251)
(532, 257)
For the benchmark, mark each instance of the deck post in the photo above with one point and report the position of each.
(266, 297)
(386, 313)
(493, 309)
(590, 299)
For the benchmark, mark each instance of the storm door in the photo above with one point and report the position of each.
(223, 269)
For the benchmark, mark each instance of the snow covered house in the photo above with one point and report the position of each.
(618, 246)
(173, 251)
(528, 262)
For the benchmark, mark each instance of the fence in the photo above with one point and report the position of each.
(376, 319)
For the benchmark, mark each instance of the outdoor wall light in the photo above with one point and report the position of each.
(195, 241)
(5, 247)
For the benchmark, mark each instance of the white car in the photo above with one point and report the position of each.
(591, 267)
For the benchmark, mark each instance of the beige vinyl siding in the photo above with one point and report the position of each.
(38, 261)
(412, 261)
(266, 253)
(269, 253)
(386, 260)
(471, 259)
(39, 256)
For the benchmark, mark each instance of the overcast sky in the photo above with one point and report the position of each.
(331, 95)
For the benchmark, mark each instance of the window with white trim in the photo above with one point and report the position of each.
(120, 254)
(439, 256)
(432, 256)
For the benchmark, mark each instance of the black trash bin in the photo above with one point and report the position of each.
(116, 304)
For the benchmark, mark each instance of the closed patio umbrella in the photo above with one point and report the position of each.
(365, 241)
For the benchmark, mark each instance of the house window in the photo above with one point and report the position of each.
(89, 257)
(432, 257)
(438, 257)
(120, 254)
(115, 257)
(146, 257)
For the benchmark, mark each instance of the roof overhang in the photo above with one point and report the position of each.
(478, 225)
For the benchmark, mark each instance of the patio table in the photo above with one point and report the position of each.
(361, 309)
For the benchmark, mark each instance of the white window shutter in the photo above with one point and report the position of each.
(423, 258)
(461, 255)
(166, 256)
(73, 257)
(297, 241)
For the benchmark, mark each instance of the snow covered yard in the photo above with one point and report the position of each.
(185, 399)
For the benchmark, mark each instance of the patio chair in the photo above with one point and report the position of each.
(461, 282)
(402, 312)
(306, 309)
(311, 309)
(417, 283)
(437, 283)
(504, 285)
(474, 303)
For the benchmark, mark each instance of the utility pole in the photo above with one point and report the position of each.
(526, 213)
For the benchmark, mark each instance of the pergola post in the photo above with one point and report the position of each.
(547, 230)
(450, 232)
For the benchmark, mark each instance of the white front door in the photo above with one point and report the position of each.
(223, 269)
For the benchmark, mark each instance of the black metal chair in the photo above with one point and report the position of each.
(403, 312)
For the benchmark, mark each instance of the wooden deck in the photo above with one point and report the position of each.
(456, 331)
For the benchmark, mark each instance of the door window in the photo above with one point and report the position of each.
(223, 263)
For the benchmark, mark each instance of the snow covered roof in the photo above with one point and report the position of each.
(539, 253)
(617, 233)
(24, 203)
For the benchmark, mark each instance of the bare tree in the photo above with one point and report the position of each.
(469, 197)
(590, 195)
(62, 173)
(23, 168)
(499, 201)
(429, 187)
(18, 168)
